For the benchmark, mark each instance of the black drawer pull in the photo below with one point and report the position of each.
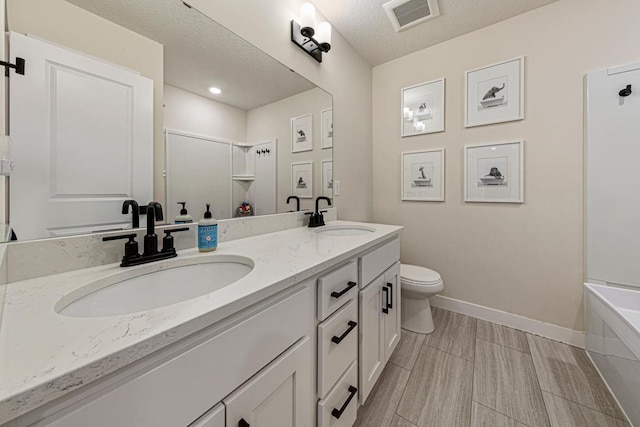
(344, 291)
(385, 309)
(243, 423)
(390, 286)
(339, 339)
(338, 413)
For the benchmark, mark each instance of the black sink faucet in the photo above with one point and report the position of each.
(135, 212)
(317, 219)
(297, 201)
(154, 213)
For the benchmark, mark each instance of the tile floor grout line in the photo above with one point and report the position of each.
(400, 416)
(535, 369)
(498, 412)
(473, 373)
(505, 346)
(401, 367)
(445, 352)
(404, 390)
(585, 406)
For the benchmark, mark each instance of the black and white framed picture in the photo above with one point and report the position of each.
(302, 180)
(301, 133)
(422, 108)
(494, 172)
(495, 93)
(326, 117)
(423, 175)
(327, 178)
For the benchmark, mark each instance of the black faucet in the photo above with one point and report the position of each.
(135, 212)
(297, 201)
(154, 213)
(317, 219)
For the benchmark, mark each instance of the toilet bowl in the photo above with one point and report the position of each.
(418, 284)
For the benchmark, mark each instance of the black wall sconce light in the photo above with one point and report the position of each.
(306, 37)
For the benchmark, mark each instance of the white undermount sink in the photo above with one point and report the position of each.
(175, 282)
(345, 230)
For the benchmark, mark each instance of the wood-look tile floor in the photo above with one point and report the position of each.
(471, 373)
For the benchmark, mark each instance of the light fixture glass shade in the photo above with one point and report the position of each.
(307, 15)
(324, 33)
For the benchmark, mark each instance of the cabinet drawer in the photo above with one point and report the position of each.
(337, 346)
(342, 401)
(377, 261)
(336, 288)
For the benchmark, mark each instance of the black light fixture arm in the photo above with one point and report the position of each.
(303, 38)
(18, 66)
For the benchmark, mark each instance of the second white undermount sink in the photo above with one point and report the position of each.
(123, 294)
(344, 230)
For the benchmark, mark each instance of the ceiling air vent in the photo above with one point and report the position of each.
(407, 13)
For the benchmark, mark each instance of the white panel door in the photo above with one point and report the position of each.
(83, 141)
(612, 184)
(392, 316)
(372, 355)
(198, 170)
(279, 395)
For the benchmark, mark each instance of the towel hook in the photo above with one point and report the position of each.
(625, 92)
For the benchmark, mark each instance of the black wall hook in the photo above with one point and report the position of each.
(625, 92)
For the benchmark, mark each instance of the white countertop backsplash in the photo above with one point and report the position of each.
(44, 355)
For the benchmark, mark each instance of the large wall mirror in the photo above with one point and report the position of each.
(117, 103)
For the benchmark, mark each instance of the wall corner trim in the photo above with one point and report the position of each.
(535, 327)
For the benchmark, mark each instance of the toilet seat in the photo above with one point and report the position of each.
(419, 276)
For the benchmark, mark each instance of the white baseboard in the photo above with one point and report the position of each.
(536, 327)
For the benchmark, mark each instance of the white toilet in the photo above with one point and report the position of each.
(418, 285)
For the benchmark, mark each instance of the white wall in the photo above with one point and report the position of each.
(192, 113)
(523, 259)
(273, 120)
(343, 73)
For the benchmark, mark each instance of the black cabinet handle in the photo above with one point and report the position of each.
(339, 339)
(243, 423)
(338, 412)
(390, 286)
(344, 291)
(385, 309)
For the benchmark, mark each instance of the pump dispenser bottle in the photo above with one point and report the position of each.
(207, 232)
(184, 216)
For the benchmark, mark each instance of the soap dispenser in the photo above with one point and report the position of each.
(184, 216)
(207, 232)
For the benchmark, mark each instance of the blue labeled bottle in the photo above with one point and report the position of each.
(207, 232)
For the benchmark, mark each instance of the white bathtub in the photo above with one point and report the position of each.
(613, 342)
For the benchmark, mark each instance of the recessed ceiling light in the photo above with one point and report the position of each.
(215, 90)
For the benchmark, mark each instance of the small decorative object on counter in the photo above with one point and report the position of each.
(184, 217)
(207, 232)
(244, 210)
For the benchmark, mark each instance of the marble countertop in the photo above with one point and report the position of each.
(44, 355)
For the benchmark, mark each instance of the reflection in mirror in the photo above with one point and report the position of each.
(119, 103)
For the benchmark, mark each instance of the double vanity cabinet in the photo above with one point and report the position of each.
(307, 353)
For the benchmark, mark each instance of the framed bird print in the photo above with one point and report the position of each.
(495, 93)
(301, 133)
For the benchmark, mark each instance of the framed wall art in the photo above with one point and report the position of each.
(327, 178)
(302, 180)
(301, 133)
(326, 117)
(422, 108)
(495, 93)
(494, 172)
(423, 175)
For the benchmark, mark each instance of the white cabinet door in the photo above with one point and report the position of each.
(279, 395)
(83, 141)
(213, 418)
(372, 354)
(391, 316)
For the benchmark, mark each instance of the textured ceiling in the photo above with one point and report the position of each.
(367, 28)
(200, 53)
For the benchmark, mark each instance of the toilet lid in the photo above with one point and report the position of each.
(418, 275)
